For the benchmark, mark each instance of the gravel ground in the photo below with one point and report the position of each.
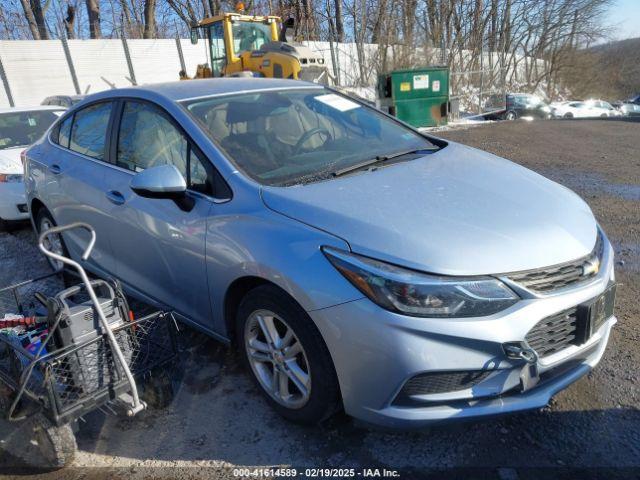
(218, 419)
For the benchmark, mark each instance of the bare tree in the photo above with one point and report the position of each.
(530, 44)
(70, 20)
(93, 12)
(338, 21)
(186, 10)
(149, 19)
(34, 12)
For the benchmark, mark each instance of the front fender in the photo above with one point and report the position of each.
(278, 249)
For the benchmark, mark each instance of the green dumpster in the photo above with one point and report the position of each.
(418, 96)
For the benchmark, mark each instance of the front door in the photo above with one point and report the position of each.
(159, 245)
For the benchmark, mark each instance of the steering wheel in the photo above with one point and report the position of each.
(308, 134)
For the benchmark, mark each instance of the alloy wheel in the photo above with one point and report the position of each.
(277, 359)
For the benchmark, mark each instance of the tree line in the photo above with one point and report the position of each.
(539, 38)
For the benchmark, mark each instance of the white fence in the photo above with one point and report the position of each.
(38, 69)
(34, 70)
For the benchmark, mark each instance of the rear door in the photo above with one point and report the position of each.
(159, 246)
(75, 190)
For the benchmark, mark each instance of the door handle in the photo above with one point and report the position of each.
(115, 197)
(55, 169)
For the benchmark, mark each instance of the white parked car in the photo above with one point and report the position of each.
(586, 109)
(19, 128)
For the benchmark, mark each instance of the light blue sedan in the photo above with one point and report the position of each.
(355, 262)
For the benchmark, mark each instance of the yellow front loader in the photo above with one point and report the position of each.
(248, 45)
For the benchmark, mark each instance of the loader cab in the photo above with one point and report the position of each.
(230, 34)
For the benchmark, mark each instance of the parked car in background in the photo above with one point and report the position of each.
(19, 128)
(583, 109)
(630, 107)
(66, 101)
(353, 261)
(516, 105)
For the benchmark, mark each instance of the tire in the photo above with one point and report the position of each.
(511, 115)
(44, 220)
(56, 446)
(604, 115)
(323, 393)
(36, 442)
(568, 115)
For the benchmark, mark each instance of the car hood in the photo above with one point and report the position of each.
(459, 211)
(10, 160)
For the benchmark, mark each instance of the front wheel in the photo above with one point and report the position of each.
(511, 115)
(287, 356)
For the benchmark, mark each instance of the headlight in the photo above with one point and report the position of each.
(421, 295)
(11, 178)
(546, 108)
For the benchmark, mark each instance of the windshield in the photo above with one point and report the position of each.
(18, 129)
(286, 137)
(249, 36)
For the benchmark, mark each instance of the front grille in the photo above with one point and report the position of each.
(546, 280)
(441, 382)
(554, 333)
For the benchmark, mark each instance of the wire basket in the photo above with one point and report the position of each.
(70, 382)
(19, 298)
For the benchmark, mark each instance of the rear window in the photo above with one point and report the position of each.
(89, 130)
(64, 132)
(20, 129)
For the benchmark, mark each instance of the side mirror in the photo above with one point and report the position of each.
(163, 181)
(194, 36)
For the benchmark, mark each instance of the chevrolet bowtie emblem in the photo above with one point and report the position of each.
(590, 267)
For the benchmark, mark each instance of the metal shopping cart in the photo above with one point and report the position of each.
(66, 354)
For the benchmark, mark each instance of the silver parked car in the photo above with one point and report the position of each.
(354, 261)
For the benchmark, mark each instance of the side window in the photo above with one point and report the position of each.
(199, 178)
(89, 130)
(64, 132)
(218, 52)
(148, 139)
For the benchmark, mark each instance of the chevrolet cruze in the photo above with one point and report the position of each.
(355, 262)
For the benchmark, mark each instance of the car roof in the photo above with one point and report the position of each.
(30, 109)
(189, 89)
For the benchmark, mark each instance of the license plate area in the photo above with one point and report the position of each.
(593, 314)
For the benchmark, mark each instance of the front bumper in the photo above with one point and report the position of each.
(375, 352)
(13, 202)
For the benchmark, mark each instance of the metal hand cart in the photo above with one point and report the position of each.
(51, 383)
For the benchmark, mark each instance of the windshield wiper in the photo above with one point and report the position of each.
(380, 159)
